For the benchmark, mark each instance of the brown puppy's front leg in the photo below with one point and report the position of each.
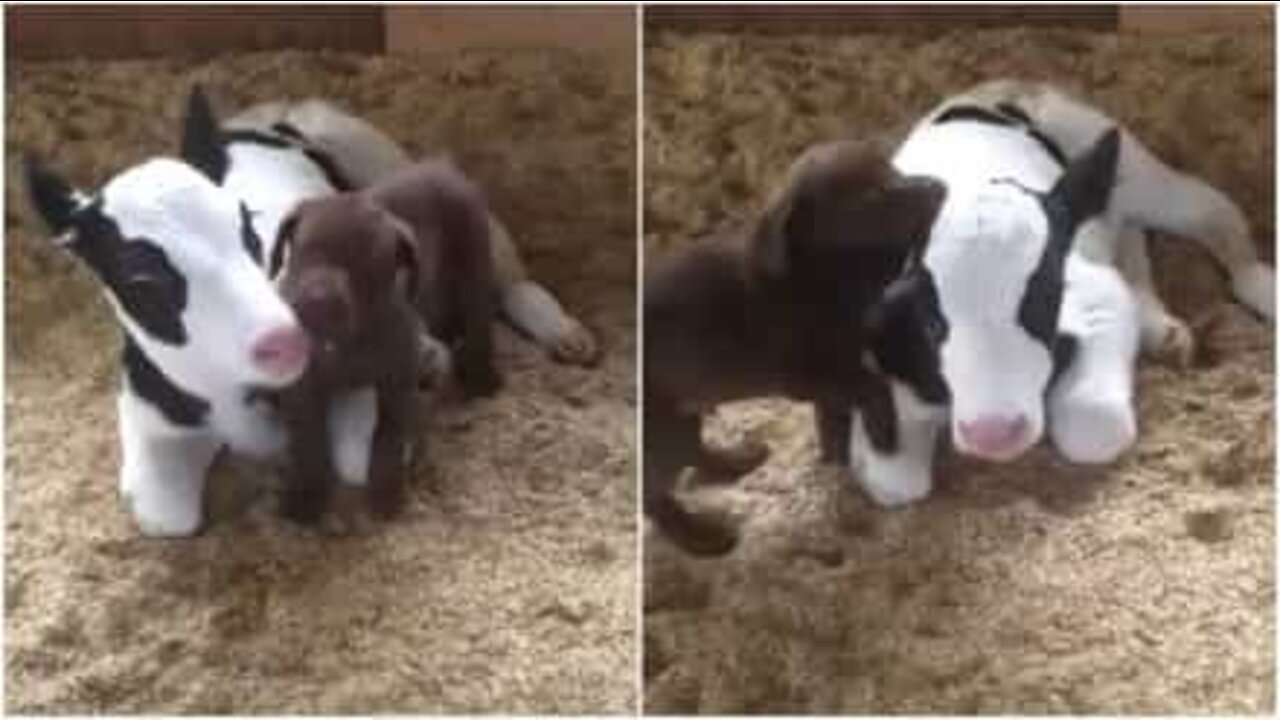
(477, 373)
(672, 443)
(398, 423)
(721, 465)
(466, 228)
(309, 483)
(835, 423)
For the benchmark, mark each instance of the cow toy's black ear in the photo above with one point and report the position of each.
(202, 145)
(1084, 190)
(52, 197)
(887, 324)
(904, 331)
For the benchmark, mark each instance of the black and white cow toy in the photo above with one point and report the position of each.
(179, 247)
(1025, 311)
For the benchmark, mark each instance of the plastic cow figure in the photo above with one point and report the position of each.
(1025, 310)
(178, 246)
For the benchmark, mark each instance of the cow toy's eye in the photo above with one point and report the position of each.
(150, 289)
(153, 295)
(143, 282)
(249, 235)
(934, 329)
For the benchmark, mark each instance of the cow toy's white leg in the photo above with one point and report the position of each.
(905, 475)
(163, 470)
(532, 309)
(353, 417)
(1091, 415)
(1164, 337)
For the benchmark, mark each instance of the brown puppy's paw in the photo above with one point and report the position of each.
(1178, 346)
(434, 362)
(723, 465)
(696, 534)
(479, 380)
(704, 536)
(302, 507)
(386, 502)
(576, 346)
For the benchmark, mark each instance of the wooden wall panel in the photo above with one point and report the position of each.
(46, 32)
(874, 18)
(110, 31)
(1184, 18)
(609, 32)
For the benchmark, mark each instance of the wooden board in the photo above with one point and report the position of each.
(1193, 18)
(608, 32)
(874, 18)
(48, 32)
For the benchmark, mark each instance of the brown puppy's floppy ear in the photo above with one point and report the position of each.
(284, 242)
(841, 197)
(769, 246)
(408, 262)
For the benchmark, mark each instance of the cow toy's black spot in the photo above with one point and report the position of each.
(289, 130)
(1054, 149)
(249, 236)
(1008, 115)
(292, 138)
(254, 137)
(1015, 112)
(975, 113)
(204, 144)
(1042, 300)
(147, 381)
(1065, 350)
(332, 173)
(136, 271)
(907, 330)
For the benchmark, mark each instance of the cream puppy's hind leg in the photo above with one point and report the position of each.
(1182, 205)
(535, 311)
(1153, 195)
(1165, 338)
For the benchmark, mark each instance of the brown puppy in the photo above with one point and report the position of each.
(369, 274)
(777, 310)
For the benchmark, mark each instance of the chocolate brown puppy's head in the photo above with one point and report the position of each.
(838, 202)
(342, 261)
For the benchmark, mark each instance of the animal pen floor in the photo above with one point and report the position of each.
(509, 585)
(1035, 587)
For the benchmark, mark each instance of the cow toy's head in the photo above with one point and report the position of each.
(973, 320)
(176, 256)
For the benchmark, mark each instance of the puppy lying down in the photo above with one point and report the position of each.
(781, 308)
(375, 277)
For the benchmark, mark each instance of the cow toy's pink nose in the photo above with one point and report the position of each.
(282, 352)
(994, 436)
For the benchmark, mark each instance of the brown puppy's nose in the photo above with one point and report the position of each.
(323, 305)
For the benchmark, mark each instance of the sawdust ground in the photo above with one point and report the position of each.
(509, 585)
(1146, 586)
